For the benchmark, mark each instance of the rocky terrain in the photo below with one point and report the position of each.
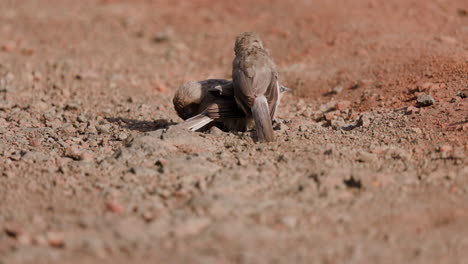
(370, 165)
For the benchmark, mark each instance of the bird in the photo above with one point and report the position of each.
(200, 103)
(255, 83)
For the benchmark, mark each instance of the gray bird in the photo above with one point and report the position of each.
(255, 81)
(210, 101)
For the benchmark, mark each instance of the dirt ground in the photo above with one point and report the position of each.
(92, 171)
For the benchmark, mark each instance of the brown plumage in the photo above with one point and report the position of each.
(255, 81)
(210, 101)
(203, 102)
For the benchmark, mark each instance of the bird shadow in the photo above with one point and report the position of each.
(141, 125)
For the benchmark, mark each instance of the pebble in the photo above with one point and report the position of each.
(160, 87)
(82, 118)
(446, 148)
(366, 157)
(329, 116)
(8, 174)
(214, 130)
(463, 94)
(337, 123)
(123, 136)
(280, 126)
(416, 130)
(73, 152)
(337, 89)
(13, 231)
(86, 156)
(425, 100)
(114, 207)
(162, 37)
(103, 128)
(327, 107)
(192, 227)
(55, 239)
(412, 110)
(342, 105)
(8, 46)
(289, 221)
(35, 142)
(364, 120)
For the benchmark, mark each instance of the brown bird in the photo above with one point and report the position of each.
(210, 101)
(255, 81)
(203, 102)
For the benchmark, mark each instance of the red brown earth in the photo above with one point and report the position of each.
(91, 170)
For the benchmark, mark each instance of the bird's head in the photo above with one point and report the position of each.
(247, 40)
(188, 98)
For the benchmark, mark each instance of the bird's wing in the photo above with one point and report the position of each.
(222, 89)
(224, 107)
(254, 78)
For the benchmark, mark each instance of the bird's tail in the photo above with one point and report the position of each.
(196, 122)
(261, 115)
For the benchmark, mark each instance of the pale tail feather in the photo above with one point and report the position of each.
(196, 122)
(262, 117)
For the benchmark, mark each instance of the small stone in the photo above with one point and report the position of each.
(412, 110)
(71, 106)
(425, 100)
(327, 107)
(82, 118)
(289, 221)
(307, 112)
(162, 37)
(191, 227)
(446, 148)
(13, 231)
(364, 120)
(37, 76)
(162, 164)
(114, 207)
(337, 123)
(337, 89)
(148, 216)
(8, 46)
(103, 128)
(342, 105)
(416, 130)
(24, 239)
(280, 126)
(160, 87)
(73, 152)
(329, 116)
(92, 143)
(463, 94)
(366, 157)
(216, 131)
(27, 51)
(8, 174)
(427, 86)
(462, 12)
(86, 156)
(123, 136)
(55, 239)
(35, 142)
(5, 105)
